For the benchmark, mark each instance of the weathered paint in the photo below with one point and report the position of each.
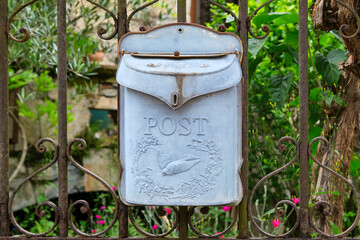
(177, 145)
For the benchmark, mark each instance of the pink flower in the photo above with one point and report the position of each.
(276, 222)
(101, 222)
(98, 216)
(155, 227)
(151, 208)
(114, 188)
(296, 200)
(168, 210)
(226, 208)
(102, 207)
(221, 235)
(93, 231)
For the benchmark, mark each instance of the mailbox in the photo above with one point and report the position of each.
(180, 116)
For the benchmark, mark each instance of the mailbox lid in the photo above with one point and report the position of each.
(208, 61)
(186, 38)
(187, 77)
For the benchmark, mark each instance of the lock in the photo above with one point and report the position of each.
(180, 116)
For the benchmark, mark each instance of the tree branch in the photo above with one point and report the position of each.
(25, 147)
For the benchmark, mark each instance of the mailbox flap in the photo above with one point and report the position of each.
(178, 62)
(177, 80)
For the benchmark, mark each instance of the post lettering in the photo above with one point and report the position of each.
(168, 125)
(201, 125)
(150, 123)
(167, 128)
(184, 122)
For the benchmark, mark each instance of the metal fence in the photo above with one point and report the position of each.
(63, 156)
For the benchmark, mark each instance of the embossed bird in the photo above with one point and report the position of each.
(170, 166)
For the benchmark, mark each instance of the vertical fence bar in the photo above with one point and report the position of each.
(4, 121)
(304, 138)
(62, 121)
(243, 217)
(183, 222)
(181, 10)
(123, 210)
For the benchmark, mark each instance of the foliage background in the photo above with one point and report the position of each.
(273, 97)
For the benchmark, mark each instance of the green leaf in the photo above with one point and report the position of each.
(328, 66)
(287, 19)
(44, 83)
(295, 54)
(253, 65)
(354, 165)
(292, 39)
(294, 103)
(336, 56)
(314, 94)
(279, 87)
(335, 229)
(265, 18)
(21, 78)
(325, 192)
(329, 71)
(255, 45)
(314, 132)
(328, 96)
(271, 211)
(336, 34)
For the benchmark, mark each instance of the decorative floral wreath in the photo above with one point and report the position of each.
(189, 189)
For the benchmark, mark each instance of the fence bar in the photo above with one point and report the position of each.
(304, 111)
(4, 121)
(181, 10)
(123, 210)
(62, 121)
(183, 223)
(243, 217)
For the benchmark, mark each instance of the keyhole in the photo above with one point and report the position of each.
(175, 99)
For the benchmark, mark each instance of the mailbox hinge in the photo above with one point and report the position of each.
(177, 55)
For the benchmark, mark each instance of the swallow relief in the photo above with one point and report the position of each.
(182, 126)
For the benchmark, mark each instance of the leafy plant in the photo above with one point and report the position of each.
(328, 66)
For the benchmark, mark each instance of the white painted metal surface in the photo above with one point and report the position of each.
(180, 117)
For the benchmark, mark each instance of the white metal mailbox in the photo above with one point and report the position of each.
(180, 116)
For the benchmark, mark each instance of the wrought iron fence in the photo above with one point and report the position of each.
(63, 149)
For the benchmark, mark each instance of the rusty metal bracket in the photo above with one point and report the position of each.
(325, 204)
(85, 209)
(40, 148)
(101, 31)
(345, 26)
(162, 213)
(205, 210)
(282, 148)
(24, 31)
(264, 28)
